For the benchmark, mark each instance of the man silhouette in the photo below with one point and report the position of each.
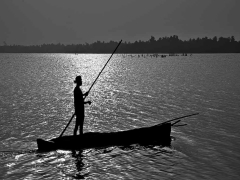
(79, 105)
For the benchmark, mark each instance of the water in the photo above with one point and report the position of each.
(36, 101)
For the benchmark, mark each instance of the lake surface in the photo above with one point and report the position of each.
(36, 101)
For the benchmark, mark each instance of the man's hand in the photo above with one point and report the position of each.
(86, 94)
(88, 102)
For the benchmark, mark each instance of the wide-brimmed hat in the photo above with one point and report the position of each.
(78, 79)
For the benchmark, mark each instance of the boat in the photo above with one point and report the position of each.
(159, 134)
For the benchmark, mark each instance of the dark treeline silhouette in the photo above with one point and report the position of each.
(170, 44)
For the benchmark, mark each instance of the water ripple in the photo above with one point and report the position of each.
(36, 101)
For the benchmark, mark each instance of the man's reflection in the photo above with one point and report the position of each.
(80, 166)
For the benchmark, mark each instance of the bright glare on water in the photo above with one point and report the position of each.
(36, 101)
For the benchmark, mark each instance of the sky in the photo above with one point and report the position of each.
(34, 22)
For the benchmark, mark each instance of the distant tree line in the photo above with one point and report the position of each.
(170, 44)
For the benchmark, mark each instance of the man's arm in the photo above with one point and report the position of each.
(85, 94)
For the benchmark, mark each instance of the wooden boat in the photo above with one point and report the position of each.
(158, 134)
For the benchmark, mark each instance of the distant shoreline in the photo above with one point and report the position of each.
(165, 45)
(176, 54)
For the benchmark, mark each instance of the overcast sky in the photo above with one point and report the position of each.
(29, 22)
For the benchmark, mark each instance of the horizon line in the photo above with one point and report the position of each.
(86, 43)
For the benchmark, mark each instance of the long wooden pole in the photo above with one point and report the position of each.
(91, 87)
(104, 66)
(67, 125)
(180, 118)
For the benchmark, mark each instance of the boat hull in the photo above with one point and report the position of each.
(158, 134)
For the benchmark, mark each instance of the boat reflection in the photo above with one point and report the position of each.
(111, 162)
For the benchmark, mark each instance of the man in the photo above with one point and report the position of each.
(79, 105)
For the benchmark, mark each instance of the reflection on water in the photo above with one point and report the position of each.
(112, 162)
(80, 166)
(36, 101)
(106, 163)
